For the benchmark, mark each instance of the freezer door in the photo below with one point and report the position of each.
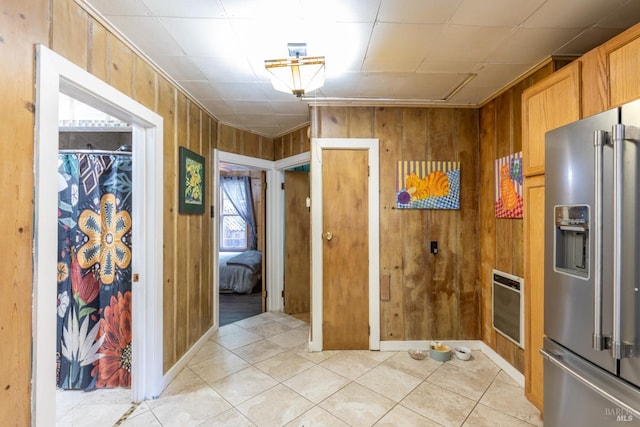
(630, 247)
(570, 311)
(577, 393)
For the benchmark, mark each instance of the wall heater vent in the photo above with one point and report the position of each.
(508, 306)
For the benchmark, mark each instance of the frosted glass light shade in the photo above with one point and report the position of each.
(296, 75)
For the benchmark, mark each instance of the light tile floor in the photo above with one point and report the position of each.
(257, 372)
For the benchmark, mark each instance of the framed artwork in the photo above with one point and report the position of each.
(508, 186)
(427, 185)
(191, 182)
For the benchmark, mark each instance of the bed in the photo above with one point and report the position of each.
(240, 271)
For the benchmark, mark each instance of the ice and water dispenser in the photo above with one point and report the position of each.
(572, 240)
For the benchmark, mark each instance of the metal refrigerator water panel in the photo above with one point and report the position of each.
(569, 180)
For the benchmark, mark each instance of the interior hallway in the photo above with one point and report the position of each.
(257, 372)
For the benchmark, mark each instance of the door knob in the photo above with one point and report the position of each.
(328, 235)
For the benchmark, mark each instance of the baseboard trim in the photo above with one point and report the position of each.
(424, 345)
(472, 344)
(516, 375)
(503, 364)
(182, 362)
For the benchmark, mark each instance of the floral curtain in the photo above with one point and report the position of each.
(238, 190)
(94, 271)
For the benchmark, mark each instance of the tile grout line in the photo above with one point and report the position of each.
(481, 396)
(281, 382)
(251, 364)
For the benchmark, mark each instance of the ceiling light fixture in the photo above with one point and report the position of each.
(298, 74)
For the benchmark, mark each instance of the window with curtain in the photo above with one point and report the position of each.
(233, 229)
(237, 218)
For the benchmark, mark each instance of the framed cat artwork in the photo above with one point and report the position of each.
(508, 186)
(427, 185)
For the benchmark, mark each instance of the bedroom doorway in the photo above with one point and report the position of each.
(241, 242)
(273, 259)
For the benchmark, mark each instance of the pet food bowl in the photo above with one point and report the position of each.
(440, 352)
(462, 353)
(418, 354)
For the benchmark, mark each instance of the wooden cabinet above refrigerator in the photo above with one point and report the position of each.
(551, 103)
(609, 73)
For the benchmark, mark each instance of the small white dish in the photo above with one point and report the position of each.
(463, 353)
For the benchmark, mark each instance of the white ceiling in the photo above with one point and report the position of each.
(405, 52)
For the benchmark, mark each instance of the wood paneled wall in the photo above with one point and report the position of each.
(501, 241)
(239, 141)
(187, 273)
(430, 296)
(22, 24)
(295, 142)
(187, 277)
(65, 27)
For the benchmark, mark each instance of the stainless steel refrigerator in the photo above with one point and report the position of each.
(592, 271)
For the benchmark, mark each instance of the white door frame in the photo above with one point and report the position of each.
(277, 224)
(274, 247)
(273, 302)
(55, 75)
(371, 145)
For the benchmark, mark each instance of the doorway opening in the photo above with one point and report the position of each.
(241, 242)
(95, 192)
(56, 76)
(273, 259)
(297, 242)
(250, 265)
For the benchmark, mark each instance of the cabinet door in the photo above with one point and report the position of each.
(533, 286)
(624, 65)
(595, 82)
(609, 73)
(550, 103)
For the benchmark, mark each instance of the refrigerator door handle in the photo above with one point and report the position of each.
(599, 342)
(621, 133)
(567, 367)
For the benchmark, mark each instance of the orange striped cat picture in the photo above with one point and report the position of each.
(427, 185)
(508, 186)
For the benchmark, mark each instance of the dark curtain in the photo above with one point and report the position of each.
(94, 271)
(238, 190)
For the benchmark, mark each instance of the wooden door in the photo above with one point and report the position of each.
(534, 287)
(345, 251)
(297, 221)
